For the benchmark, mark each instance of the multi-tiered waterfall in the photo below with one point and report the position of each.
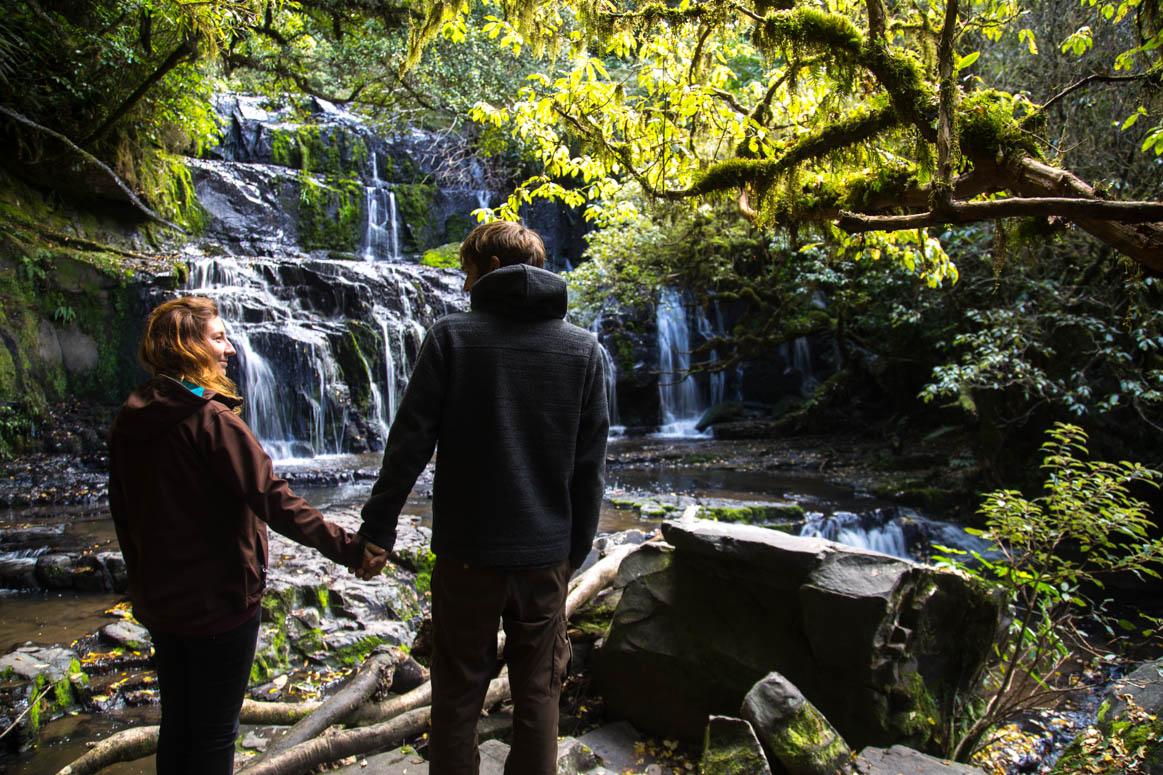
(324, 347)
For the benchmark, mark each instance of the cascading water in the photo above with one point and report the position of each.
(798, 355)
(381, 234)
(611, 371)
(896, 530)
(680, 399)
(864, 531)
(290, 323)
(718, 379)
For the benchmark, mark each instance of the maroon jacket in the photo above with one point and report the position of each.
(190, 489)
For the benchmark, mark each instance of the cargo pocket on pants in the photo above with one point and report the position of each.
(562, 653)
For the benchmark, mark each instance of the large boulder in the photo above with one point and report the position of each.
(878, 644)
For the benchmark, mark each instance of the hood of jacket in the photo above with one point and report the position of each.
(160, 404)
(520, 291)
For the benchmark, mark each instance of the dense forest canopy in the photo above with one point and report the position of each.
(974, 185)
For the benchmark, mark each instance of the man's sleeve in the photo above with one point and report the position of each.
(410, 444)
(588, 485)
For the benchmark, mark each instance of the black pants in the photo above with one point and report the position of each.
(466, 606)
(202, 681)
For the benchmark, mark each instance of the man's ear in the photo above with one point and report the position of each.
(494, 263)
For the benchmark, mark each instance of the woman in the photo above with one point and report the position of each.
(191, 492)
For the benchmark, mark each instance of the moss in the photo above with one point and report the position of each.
(168, 188)
(323, 596)
(325, 151)
(757, 514)
(732, 760)
(353, 368)
(987, 127)
(623, 352)
(330, 213)
(358, 651)
(414, 204)
(457, 227)
(446, 256)
(808, 29)
(806, 743)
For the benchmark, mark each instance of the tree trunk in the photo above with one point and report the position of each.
(373, 675)
(124, 746)
(187, 49)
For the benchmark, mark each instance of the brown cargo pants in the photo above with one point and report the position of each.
(466, 605)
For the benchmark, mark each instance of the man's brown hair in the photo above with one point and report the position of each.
(175, 344)
(510, 242)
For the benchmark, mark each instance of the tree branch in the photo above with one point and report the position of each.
(92, 160)
(1015, 207)
(946, 104)
(1093, 78)
(187, 49)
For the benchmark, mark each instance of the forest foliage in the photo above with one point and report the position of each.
(922, 166)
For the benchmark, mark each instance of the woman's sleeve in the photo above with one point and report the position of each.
(241, 463)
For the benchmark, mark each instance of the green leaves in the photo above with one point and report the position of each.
(1086, 525)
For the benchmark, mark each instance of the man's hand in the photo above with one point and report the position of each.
(374, 560)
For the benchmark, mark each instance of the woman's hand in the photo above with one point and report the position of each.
(374, 560)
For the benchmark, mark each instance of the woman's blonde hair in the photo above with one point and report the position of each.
(175, 344)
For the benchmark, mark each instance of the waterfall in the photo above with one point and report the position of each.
(678, 394)
(718, 379)
(611, 371)
(381, 233)
(288, 320)
(871, 531)
(798, 355)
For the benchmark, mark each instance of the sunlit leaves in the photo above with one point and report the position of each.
(1079, 42)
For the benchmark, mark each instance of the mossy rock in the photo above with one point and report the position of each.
(446, 256)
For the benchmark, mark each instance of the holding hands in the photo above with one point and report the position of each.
(374, 560)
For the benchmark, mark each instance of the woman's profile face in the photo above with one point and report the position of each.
(219, 344)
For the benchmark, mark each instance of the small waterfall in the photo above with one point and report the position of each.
(381, 234)
(870, 531)
(679, 397)
(611, 370)
(798, 355)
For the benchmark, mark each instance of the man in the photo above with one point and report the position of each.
(513, 399)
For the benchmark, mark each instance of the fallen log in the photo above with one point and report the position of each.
(275, 714)
(382, 711)
(126, 745)
(332, 746)
(373, 675)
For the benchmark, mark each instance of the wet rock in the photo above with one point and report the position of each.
(55, 571)
(669, 505)
(613, 744)
(19, 573)
(29, 661)
(731, 748)
(899, 760)
(127, 634)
